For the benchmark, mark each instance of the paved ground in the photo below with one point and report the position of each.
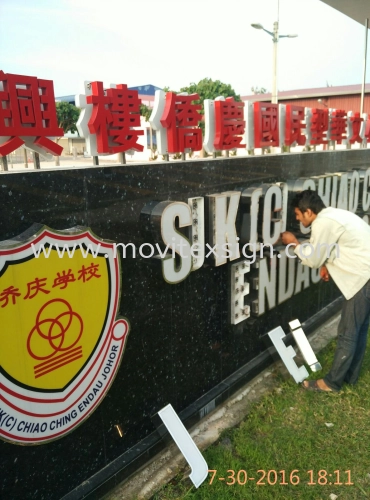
(168, 463)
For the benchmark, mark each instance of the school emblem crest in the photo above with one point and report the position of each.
(61, 342)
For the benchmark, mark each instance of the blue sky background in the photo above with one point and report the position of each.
(176, 42)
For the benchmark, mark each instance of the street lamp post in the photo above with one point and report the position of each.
(364, 77)
(275, 38)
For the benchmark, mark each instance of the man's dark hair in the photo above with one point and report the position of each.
(308, 199)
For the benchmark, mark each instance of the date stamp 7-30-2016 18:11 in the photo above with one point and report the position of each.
(271, 477)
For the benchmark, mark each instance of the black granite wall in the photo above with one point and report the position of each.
(181, 344)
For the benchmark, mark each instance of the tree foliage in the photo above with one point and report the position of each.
(67, 115)
(145, 111)
(210, 89)
(167, 89)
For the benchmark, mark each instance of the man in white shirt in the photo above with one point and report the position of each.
(340, 243)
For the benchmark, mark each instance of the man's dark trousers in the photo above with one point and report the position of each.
(352, 337)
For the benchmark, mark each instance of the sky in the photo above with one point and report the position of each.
(176, 42)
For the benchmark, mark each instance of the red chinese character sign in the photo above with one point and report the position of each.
(224, 124)
(317, 124)
(109, 118)
(292, 125)
(355, 127)
(58, 362)
(337, 126)
(175, 117)
(28, 114)
(266, 125)
(366, 128)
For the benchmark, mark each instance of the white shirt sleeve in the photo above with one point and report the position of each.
(320, 248)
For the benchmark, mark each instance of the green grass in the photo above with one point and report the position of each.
(286, 431)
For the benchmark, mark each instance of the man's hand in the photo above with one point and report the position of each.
(288, 238)
(324, 274)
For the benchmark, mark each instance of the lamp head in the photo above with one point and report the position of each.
(258, 26)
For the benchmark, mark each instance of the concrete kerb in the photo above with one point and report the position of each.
(164, 467)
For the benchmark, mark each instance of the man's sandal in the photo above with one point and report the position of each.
(312, 385)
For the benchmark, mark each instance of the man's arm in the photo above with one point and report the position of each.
(315, 252)
(289, 239)
(324, 273)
